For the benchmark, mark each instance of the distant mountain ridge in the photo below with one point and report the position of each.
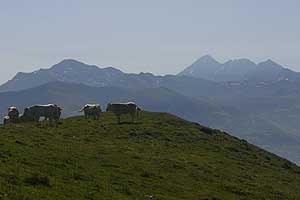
(66, 71)
(238, 70)
(72, 71)
(205, 68)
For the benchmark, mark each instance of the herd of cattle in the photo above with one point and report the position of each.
(52, 112)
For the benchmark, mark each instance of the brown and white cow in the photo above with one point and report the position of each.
(123, 108)
(49, 111)
(13, 114)
(92, 110)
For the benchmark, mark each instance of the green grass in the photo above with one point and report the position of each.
(159, 157)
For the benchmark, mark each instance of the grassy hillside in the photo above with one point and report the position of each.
(159, 157)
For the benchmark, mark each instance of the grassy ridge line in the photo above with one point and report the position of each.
(159, 157)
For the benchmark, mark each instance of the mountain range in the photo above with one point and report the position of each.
(256, 102)
(238, 70)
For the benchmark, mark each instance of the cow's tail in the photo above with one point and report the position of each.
(138, 110)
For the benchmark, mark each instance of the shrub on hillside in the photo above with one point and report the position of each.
(38, 180)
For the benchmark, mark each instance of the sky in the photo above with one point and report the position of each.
(158, 36)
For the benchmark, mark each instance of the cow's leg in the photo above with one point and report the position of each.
(119, 118)
(50, 121)
(37, 118)
(56, 122)
(132, 117)
(53, 120)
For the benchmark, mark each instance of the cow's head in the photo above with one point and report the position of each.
(13, 109)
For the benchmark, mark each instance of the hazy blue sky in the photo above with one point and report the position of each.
(161, 36)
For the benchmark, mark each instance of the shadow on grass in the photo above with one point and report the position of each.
(125, 123)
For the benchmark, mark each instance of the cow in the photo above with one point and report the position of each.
(35, 112)
(13, 114)
(6, 120)
(47, 118)
(92, 110)
(123, 108)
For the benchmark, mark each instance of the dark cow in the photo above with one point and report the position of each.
(50, 111)
(123, 108)
(47, 118)
(13, 114)
(92, 110)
